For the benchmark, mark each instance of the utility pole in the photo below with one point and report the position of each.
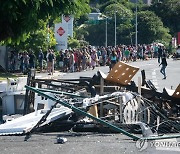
(106, 33)
(136, 26)
(115, 29)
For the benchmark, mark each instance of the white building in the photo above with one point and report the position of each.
(95, 16)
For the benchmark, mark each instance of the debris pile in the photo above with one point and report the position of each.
(102, 103)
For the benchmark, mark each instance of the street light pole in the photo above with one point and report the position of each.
(136, 25)
(106, 33)
(115, 29)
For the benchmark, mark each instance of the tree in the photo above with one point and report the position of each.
(42, 38)
(18, 18)
(150, 28)
(96, 33)
(73, 43)
(123, 22)
(169, 12)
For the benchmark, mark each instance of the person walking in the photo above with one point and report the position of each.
(164, 65)
(160, 52)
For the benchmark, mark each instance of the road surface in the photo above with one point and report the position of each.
(152, 71)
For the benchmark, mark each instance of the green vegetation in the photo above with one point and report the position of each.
(28, 24)
(149, 24)
(151, 28)
(19, 18)
(169, 12)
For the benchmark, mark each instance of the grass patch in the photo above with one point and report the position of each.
(4, 76)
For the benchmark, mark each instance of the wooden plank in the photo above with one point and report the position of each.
(122, 73)
(177, 92)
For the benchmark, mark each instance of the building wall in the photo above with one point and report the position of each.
(94, 16)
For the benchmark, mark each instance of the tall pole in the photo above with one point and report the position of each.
(115, 29)
(106, 33)
(136, 25)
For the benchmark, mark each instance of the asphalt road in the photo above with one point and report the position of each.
(81, 143)
(152, 71)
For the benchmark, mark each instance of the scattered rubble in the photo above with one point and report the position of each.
(110, 103)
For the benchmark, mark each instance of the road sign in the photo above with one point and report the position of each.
(66, 18)
(61, 34)
(60, 31)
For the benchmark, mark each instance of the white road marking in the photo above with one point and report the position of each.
(154, 79)
(154, 73)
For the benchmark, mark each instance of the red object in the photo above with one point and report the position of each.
(67, 18)
(178, 41)
(60, 31)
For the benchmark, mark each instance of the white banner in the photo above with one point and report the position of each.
(68, 19)
(61, 34)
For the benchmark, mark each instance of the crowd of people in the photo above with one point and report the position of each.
(81, 59)
(89, 57)
(28, 60)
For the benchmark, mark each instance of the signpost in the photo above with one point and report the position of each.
(61, 34)
(60, 31)
(68, 19)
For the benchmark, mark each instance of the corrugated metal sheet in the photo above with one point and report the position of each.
(21, 124)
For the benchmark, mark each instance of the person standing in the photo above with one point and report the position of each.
(53, 61)
(12, 61)
(127, 53)
(93, 59)
(164, 65)
(155, 50)
(26, 62)
(40, 59)
(177, 52)
(84, 60)
(21, 58)
(50, 59)
(104, 56)
(61, 60)
(32, 58)
(71, 61)
(66, 61)
(113, 59)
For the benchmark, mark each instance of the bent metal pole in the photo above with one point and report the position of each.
(75, 109)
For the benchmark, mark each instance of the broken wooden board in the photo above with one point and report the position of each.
(94, 111)
(173, 93)
(122, 73)
(177, 92)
